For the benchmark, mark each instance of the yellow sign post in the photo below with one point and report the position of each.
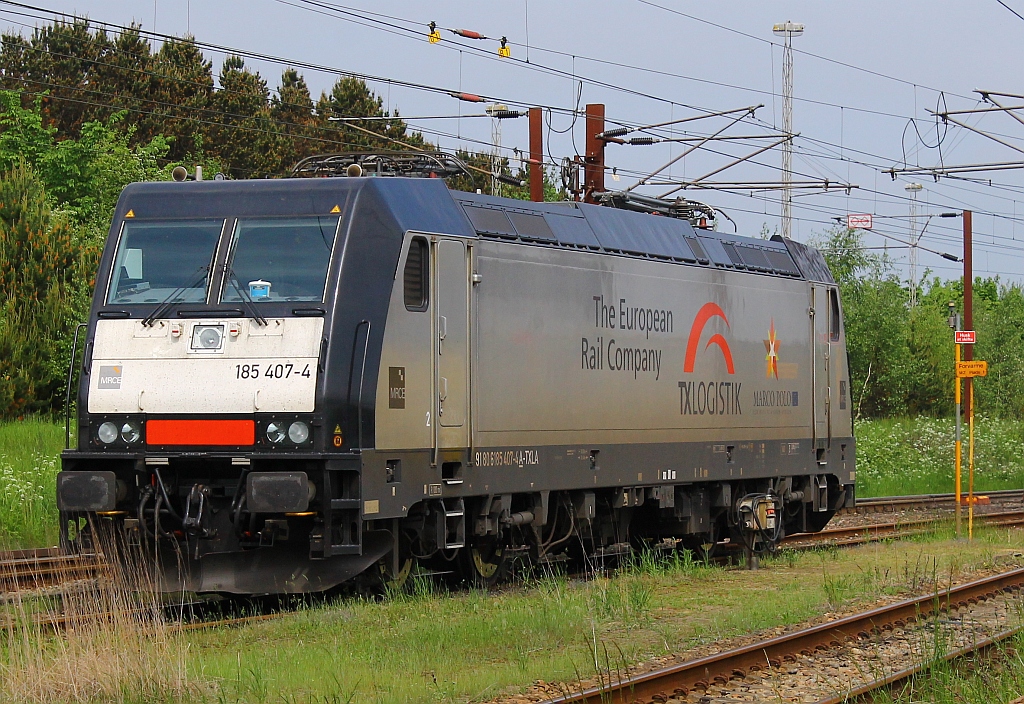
(967, 370)
(958, 443)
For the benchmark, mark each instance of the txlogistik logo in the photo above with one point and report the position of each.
(716, 397)
(700, 398)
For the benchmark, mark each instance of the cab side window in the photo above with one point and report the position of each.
(415, 278)
(833, 315)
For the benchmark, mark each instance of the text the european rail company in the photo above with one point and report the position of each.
(606, 353)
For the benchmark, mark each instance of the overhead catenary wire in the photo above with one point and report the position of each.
(390, 81)
(233, 51)
(414, 30)
(205, 110)
(811, 54)
(265, 57)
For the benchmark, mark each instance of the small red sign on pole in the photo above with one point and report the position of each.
(861, 221)
(965, 337)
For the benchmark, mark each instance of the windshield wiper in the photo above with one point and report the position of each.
(246, 299)
(198, 276)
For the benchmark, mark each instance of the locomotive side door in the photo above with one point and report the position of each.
(451, 343)
(821, 394)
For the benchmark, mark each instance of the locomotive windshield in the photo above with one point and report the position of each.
(161, 260)
(280, 259)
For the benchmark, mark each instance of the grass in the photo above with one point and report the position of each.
(915, 455)
(428, 646)
(467, 647)
(29, 462)
(115, 645)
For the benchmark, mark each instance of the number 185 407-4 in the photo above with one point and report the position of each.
(284, 370)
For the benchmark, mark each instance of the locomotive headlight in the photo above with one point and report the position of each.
(107, 432)
(131, 432)
(276, 433)
(207, 338)
(298, 432)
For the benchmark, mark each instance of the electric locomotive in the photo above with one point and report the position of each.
(290, 384)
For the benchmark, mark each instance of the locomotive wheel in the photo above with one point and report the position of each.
(395, 582)
(385, 576)
(485, 562)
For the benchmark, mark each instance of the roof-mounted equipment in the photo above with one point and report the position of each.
(383, 163)
(696, 213)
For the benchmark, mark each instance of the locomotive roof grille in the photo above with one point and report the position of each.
(598, 228)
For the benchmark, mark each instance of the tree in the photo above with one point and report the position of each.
(60, 63)
(302, 128)
(882, 369)
(243, 137)
(22, 132)
(84, 176)
(41, 266)
(181, 90)
(351, 97)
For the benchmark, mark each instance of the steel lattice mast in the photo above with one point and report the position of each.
(913, 189)
(787, 30)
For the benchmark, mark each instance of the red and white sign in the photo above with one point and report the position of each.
(965, 337)
(862, 221)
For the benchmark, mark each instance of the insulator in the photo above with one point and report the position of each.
(510, 180)
(468, 97)
(617, 132)
(641, 141)
(469, 34)
(505, 114)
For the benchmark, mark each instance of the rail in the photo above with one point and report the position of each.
(860, 534)
(931, 500)
(720, 669)
(23, 570)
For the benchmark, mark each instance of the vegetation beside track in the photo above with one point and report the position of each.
(428, 645)
(915, 455)
(431, 646)
(29, 462)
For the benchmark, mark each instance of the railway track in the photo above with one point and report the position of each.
(862, 534)
(975, 616)
(48, 568)
(883, 504)
(28, 570)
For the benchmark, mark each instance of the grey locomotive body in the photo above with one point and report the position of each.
(474, 378)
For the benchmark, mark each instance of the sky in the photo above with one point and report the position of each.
(866, 75)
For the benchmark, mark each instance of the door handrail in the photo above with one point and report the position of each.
(362, 375)
(67, 391)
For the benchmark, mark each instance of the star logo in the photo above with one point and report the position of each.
(771, 345)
